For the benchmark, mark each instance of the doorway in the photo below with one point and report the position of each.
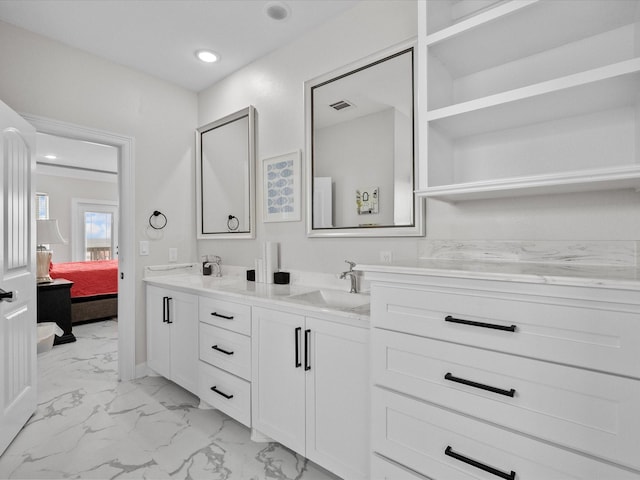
(125, 244)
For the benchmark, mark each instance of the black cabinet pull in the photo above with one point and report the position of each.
(297, 331)
(164, 309)
(216, 314)
(169, 300)
(307, 348)
(506, 393)
(474, 463)
(221, 393)
(507, 328)
(226, 352)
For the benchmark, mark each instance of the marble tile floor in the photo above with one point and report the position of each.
(90, 426)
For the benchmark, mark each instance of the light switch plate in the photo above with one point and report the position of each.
(173, 254)
(144, 247)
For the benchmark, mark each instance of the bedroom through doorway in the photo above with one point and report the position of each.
(119, 241)
(76, 184)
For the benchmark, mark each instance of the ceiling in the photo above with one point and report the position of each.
(160, 37)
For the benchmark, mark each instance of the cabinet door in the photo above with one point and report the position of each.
(183, 318)
(158, 332)
(337, 393)
(278, 377)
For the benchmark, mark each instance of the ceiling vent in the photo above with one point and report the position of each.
(341, 105)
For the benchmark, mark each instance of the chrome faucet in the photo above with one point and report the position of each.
(353, 276)
(214, 262)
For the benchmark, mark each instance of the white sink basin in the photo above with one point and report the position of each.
(332, 299)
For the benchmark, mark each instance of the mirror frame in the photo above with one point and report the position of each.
(251, 234)
(418, 227)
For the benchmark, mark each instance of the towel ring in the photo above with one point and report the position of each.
(233, 223)
(158, 226)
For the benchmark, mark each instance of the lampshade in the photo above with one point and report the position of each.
(48, 232)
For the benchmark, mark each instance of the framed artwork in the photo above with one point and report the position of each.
(281, 188)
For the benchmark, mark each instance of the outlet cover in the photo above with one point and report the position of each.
(173, 254)
(386, 256)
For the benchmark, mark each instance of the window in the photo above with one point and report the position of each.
(94, 230)
(42, 206)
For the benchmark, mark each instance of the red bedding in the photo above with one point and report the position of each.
(89, 278)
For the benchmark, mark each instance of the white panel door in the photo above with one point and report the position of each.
(17, 276)
(278, 403)
(338, 396)
(183, 320)
(158, 331)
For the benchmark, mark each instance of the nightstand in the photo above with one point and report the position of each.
(54, 305)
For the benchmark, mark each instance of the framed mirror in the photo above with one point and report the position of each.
(225, 177)
(361, 149)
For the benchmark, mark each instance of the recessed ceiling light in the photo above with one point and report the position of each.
(207, 56)
(277, 11)
(51, 157)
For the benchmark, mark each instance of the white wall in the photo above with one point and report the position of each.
(274, 85)
(46, 78)
(61, 190)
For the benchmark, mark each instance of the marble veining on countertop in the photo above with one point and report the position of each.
(624, 277)
(607, 263)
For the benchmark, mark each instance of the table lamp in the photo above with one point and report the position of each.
(48, 233)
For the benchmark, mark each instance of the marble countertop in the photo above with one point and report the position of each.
(262, 294)
(619, 277)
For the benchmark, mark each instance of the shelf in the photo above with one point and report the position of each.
(569, 182)
(599, 89)
(518, 29)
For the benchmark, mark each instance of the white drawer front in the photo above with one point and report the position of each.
(238, 406)
(597, 335)
(383, 469)
(589, 411)
(230, 351)
(229, 315)
(418, 434)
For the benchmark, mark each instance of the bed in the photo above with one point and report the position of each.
(94, 294)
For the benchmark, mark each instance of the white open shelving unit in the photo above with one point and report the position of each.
(528, 97)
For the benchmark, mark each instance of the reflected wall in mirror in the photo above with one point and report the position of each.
(225, 177)
(360, 146)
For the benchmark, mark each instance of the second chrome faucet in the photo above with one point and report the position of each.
(353, 276)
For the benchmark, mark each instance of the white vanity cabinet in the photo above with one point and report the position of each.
(172, 335)
(224, 378)
(311, 388)
(478, 378)
(527, 97)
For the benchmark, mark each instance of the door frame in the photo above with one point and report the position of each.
(126, 241)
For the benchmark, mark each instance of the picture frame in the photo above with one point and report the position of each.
(281, 188)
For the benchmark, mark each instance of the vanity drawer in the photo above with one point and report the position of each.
(224, 349)
(226, 392)
(598, 335)
(229, 315)
(434, 442)
(384, 469)
(592, 412)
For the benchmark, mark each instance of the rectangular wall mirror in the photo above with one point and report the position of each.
(361, 149)
(225, 177)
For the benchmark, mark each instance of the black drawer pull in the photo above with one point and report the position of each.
(226, 352)
(296, 333)
(221, 393)
(474, 463)
(509, 328)
(507, 393)
(164, 309)
(216, 314)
